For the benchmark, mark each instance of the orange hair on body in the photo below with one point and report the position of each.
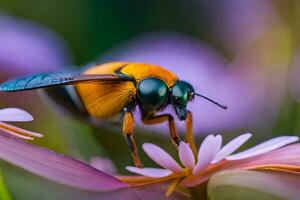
(105, 100)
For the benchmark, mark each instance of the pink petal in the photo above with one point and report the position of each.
(232, 146)
(208, 149)
(264, 147)
(150, 172)
(285, 159)
(103, 164)
(14, 115)
(161, 157)
(56, 167)
(186, 155)
(247, 184)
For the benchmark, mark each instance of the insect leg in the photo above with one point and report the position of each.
(128, 126)
(190, 132)
(162, 118)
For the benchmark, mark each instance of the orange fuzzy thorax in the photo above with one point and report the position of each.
(104, 100)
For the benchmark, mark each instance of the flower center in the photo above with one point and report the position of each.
(185, 173)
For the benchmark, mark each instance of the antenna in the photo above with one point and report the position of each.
(212, 101)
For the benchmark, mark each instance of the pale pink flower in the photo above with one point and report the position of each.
(211, 158)
(192, 174)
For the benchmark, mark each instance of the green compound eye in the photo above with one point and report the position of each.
(152, 93)
(181, 92)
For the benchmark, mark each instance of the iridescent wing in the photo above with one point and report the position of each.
(46, 80)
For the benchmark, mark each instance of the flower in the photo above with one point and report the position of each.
(74, 173)
(211, 158)
(16, 115)
(236, 26)
(27, 47)
(66, 170)
(270, 156)
(192, 174)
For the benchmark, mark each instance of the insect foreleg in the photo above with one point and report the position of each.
(128, 126)
(190, 132)
(162, 118)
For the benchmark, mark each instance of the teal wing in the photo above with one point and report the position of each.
(47, 80)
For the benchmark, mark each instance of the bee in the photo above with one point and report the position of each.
(105, 90)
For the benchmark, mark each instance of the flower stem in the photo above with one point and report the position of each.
(172, 187)
(199, 192)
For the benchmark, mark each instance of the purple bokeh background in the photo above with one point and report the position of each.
(237, 23)
(28, 47)
(240, 84)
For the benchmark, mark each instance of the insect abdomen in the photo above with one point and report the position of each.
(104, 100)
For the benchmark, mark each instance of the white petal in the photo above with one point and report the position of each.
(232, 146)
(186, 155)
(14, 115)
(161, 157)
(150, 172)
(264, 147)
(210, 146)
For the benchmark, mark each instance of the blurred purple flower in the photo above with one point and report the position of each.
(237, 23)
(243, 85)
(27, 47)
(212, 157)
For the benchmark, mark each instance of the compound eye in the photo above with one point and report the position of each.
(182, 92)
(179, 95)
(152, 93)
